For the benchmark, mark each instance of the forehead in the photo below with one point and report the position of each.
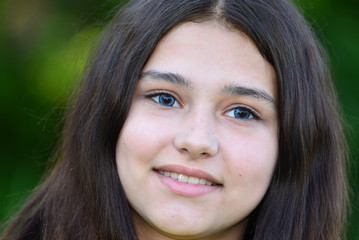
(208, 52)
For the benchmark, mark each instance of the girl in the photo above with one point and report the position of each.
(198, 119)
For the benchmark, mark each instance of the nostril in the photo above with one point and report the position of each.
(198, 151)
(196, 142)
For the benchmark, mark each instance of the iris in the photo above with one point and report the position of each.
(165, 99)
(242, 113)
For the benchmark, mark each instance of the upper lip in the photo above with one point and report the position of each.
(191, 172)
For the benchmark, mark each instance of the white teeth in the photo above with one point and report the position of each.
(186, 179)
(202, 181)
(193, 180)
(182, 178)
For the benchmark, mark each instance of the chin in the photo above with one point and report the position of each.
(186, 227)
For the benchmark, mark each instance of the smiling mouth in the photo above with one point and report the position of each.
(188, 179)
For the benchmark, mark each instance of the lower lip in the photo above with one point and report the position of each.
(185, 189)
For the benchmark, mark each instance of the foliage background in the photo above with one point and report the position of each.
(43, 49)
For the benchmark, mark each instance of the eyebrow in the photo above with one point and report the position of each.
(244, 91)
(166, 76)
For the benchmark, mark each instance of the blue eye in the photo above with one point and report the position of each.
(241, 113)
(165, 99)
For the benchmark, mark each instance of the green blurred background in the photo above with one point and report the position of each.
(43, 49)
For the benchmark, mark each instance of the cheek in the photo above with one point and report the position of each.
(138, 145)
(256, 157)
(142, 137)
(252, 160)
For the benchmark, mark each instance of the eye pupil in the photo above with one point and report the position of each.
(166, 100)
(241, 113)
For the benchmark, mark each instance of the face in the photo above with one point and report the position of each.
(198, 149)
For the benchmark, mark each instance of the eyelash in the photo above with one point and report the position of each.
(159, 94)
(250, 113)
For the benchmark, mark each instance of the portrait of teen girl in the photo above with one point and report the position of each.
(198, 119)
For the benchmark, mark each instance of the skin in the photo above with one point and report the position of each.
(205, 105)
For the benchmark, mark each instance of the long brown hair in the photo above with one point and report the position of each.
(83, 198)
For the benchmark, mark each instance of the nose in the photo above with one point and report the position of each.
(197, 137)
